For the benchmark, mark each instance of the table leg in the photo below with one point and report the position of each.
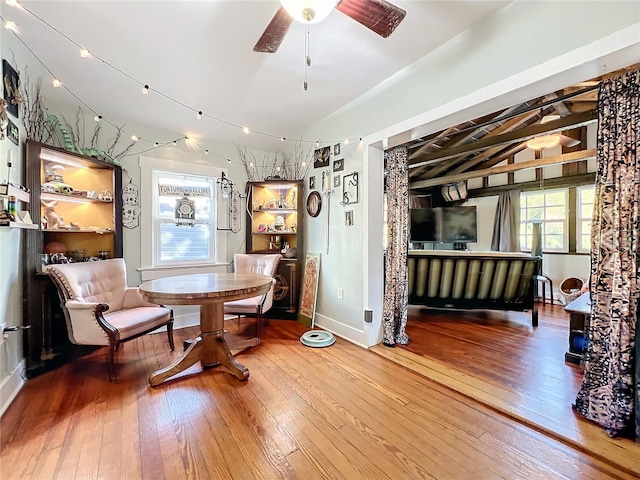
(215, 350)
(190, 356)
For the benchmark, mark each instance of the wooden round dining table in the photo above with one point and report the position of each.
(210, 291)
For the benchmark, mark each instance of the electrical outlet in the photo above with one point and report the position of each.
(340, 293)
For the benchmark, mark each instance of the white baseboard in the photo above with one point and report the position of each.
(11, 386)
(358, 337)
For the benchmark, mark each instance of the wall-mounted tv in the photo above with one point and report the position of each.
(444, 224)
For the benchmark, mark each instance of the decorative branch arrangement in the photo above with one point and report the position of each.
(44, 127)
(293, 166)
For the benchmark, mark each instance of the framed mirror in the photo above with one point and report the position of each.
(314, 204)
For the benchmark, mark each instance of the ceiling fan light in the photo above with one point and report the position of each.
(545, 141)
(308, 11)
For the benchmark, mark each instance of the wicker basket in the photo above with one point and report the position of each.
(570, 289)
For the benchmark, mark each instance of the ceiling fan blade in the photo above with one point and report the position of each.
(274, 33)
(379, 16)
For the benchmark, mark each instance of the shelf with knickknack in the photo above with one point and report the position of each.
(274, 225)
(76, 203)
(11, 198)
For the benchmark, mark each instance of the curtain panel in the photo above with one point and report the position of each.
(506, 227)
(396, 297)
(609, 392)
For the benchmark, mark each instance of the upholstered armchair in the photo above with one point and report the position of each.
(100, 309)
(261, 264)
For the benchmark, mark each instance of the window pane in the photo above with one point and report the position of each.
(587, 195)
(556, 198)
(586, 211)
(554, 228)
(556, 213)
(535, 214)
(535, 200)
(554, 242)
(585, 243)
(182, 243)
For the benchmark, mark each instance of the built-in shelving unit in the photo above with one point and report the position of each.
(274, 224)
(86, 193)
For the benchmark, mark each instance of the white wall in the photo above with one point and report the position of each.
(505, 60)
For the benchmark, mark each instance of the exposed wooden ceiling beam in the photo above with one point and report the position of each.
(507, 126)
(510, 137)
(555, 182)
(558, 159)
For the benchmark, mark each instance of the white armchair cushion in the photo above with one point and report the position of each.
(133, 321)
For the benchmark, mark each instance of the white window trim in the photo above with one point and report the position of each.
(147, 166)
(565, 242)
(579, 218)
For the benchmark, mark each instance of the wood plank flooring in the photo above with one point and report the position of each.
(340, 412)
(499, 359)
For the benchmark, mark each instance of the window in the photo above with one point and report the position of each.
(585, 200)
(550, 209)
(164, 245)
(183, 244)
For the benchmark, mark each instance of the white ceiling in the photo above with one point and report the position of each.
(199, 54)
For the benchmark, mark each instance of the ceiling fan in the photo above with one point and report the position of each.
(552, 140)
(379, 16)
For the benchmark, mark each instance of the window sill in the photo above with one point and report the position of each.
(152, 273)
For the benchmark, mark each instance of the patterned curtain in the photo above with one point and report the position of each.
(610, 385)
(394, 310)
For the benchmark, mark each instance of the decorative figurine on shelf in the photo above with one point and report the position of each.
(54, 182)
(279, 225)
(54, 221)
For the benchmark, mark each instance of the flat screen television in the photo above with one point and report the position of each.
(458, 224)
(444, 224)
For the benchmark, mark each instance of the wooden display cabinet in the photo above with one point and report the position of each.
(91, 226)
(274, 225)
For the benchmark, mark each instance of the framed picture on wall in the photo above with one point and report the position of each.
(338, 165)
(11, 82)
(321, 157)
(311, 273)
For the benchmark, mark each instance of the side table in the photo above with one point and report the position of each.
(579, 316)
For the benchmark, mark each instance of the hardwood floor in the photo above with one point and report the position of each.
(499, 359)
(339, 412)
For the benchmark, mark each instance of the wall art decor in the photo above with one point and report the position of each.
(338, 165)
(348, 218)
(321, 157)
(10, 84)
(13, 133)
(309, 292)
(130, 206)
(336, 181)
(349, 189)
(336, 149)
(314, 204)
(312, 183)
